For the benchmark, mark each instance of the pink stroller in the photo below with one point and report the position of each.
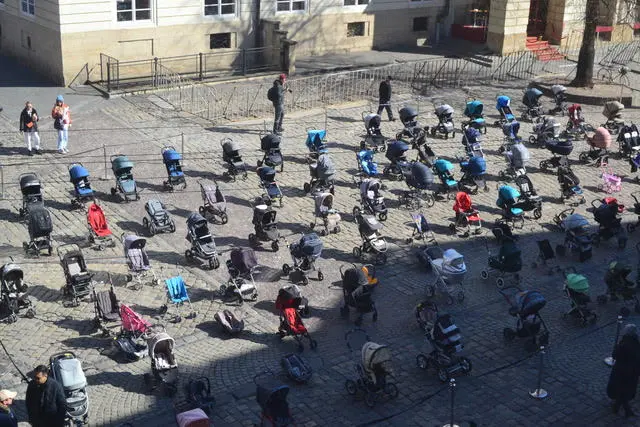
(599, 143)
(611, 183)
(130, 341)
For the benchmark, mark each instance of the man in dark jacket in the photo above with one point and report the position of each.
(7, 417)
(276, 96)
(45, 400)
(29, 127)
(623, 381)
(385, 98)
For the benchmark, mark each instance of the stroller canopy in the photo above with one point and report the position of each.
(531, 97)
(463, 202)
(154, 208)
(471, 136)
(30, 183)
(77, 172)
(230, 147)
(443, 166)
(502, 101)
(243, 259)
(395, 150)
(606, 214)
(453, 262)
(161, 351)
(133, 241)
(353, 278)
(267, 174)
(374, 356)
(612, 109)
(170, 155)
(519, 153)
(476, 166)
(444, 110)
(270, 142)
(315, 139)
(12, 272)
(325, 169)
(40, 224)
(323, 202)
(121, 164)
(558, 89)
(369, 185)
(98, 221)
(561, 147)
(365, 155)
(372, 121)
(574, 221)
(71, 375)
(601, 138)
(196, 220)
(421, 175)
(577, 283)
(275, 395)
(407, 114)
(529, 302)
(473, 109)
(310, 245)
(511, 129)
(369, 224)
(525, 186)
(507, 194)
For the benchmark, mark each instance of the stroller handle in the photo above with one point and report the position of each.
(62, 249)
(594, 201)
(225, 139)
(352, 331)
(342, 269)
(115, 156)
(569, 270)
(267, 371)
(168, 147)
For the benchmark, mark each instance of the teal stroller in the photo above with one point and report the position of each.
(178, 296)
(125, 184)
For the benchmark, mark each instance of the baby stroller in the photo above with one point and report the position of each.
(374, 140)
(373, 370)
(409, 119)
(214, 204)
(396, 154)
(531, 101)
(367, 167)
(164, 368)
(611, 183)
(232, 159)
(125, 184)
(421, 230)
(77, 277)
(100, 236)
(445, 340)
(230, 322)
(13, 294)
(606, 215)
(203, 246)
(467, 219)
(270, 145)
(171, 159)
(525, 306)
(134, 331)
(31, 190)
(545, 130)
(289, 303)
(444, 169)
(106, 308)
(177, 295)
(268, 183)
(140, 270)
(322, 173)
(357, 293)
(507, 263)
(241, 264)
(569, 185)
(529, 199)
(473, 171)
(471, 141)
(473, 111)
(517, 158)
(629, 141)
(576, 123)
(158, 219)
(510, 131)
(265, 226)
(271, 395)
(450, 270)
(560, 148)
(599, 144)
(613, 113)
(576, 288)
(372, 242)
(619, 286)
(503, 105)
(371, 201)
(559, 97)
(66, 369)
(324, 210)
(445, 124)
(512, 213)
(83, 192)
(577, 235)
(316, 142)
(419, 179)
(304, 253)
(40, 228)
(425, 154)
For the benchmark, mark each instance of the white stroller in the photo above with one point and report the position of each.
(140, 270)
(67, 370)
(450, 271)
(214, 204)
(325, 211)
(372, 242)
(374, 140)
(371, 201)
(163, 362)
(517, 158)
(548, 128)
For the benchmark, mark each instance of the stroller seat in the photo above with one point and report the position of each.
(98, 222)
(138, 259)
(163, 361)
(516, 211)
(107, 305)
(177, 290)
(292, 317)
(74, 269)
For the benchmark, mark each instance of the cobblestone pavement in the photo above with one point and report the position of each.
(495, 393)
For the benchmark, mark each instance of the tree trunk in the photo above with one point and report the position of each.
(584, 71)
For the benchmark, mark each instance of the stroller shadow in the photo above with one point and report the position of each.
(176, 211)
(232, 241)
(58, 205)
(143, 185)
(9, 215)
(133, 227)
(44, 294)
(267, 274)
(337, 255)
(341, 146)
(123, 380)
(84, 327)
(226, 129)
(238, 201)
(66, 239)
(344, 119)
(171, 258)
(268, 306)
(84, 342)
(191, 173)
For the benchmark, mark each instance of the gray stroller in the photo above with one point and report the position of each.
(158, 219)
(66, 369)
(322, 173)
(326, 213)
(214, 204)
(517, 158)
(203, 246)
(140, 270)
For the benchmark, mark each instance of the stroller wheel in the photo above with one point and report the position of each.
(306, 187)
(382, 217)
(275, 246)
(188, 254)
(543, 165)
(631, 228)
(357, 252)
(336, 229)
(351, 386)
(201, 210)
(224, 218)
(152, 230)
(212, 263)
(356, 211)
(370, 399)
(172, 227)
(390, 389)
(305, 279)
(31, 313)
(145, 222)
(286, 269)
(216, 263)
(452, 227)
(537, 213)
(313, 344)
(500, 282)
(484, 274)
(113, 191)
(163, 309)
(508, 334)
(431, 291)
(422, 362)
(466, 365)
(532, 140)
(252, 239)
(320, 276)
(443, 375)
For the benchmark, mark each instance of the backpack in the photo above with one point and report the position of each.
(272, 94)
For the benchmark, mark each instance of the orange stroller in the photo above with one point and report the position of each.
(467, 219)
(100, 236)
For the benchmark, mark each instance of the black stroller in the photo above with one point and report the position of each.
(271, 395)
(31, 190)
(408, 117)
(357, 292)
(321, 171)
(629, 141)
(158, 219)
(560, 148)
(40, 228)
(241, 265)
(508, 262)
(232, 159)
(560, 98)
(570, 189)
(525, 306)
(77, 277)
(605, 212)
(420, 180)
(304, 253)
(203, 246)
(529, 199)
(396, 154)
(13, 294)
(265, 226)
(107, 309)
(619, 286)
(531, 101)
(577, 236)
(269, 184)
(270, 146)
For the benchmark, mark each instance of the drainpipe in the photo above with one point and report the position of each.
(257, 26)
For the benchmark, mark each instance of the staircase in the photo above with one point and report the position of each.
(542, 49)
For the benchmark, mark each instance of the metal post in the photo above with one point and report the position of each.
(244, 62)
(155, 72)
(104, 150)
(452, 387)
(108, 76)
(182, 144)
(2, 179)
(539, 392)
(200, 65)
(609, 360)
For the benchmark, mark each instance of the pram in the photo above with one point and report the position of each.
(517, 158)
(445, 124)
(576, 288)
(373, 140)
(531, 101)
(288, 303)
(408, 117)
(545, 256)
(40, 227)
(560, 148)
(619, 286)
(79, 177)
(450, 270)
(178, 296)
(230, 322)
(419, 179)
(577, 235)
(324, 211)
(525, 306)
(507, 263)
(511, 131)
(214, 204)
(559, 97)
(78, 280)
(503, 105)
(164, 367)
(265, 226)
(473, 111)
(473, 171)
(576, 123)
(471, 141)
(445, 340)
(316, 142)
(448, 185)
(304, 253)
(132, 337)
(425, 154)
(66, 369)
(140, 270)
(372, 370)
(396, 154)
(203, 246)
(467, 220)
(546, 129)
(268, 183)
(13, 294)
(158, 219)
(31, 189)
(569, 185)
(100, 236)
(367, 167)
(605, 212)
(529, 199)
(629, 141)
(321, 171)
(171, 159)
(372, 242)
(107, 309)
(421, 230)
(272, 397)
(512, 213)
(125, 184)
(232, 159)
(357, 293)
(270, 146)
(611, 183)
(612, 111)
(599, 144)
(371, 201)
(241, 265)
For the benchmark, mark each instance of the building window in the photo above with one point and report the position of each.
(133, 10)
(220, 41)
(421, 23)
(291, 5)
(219, 7)
(355, 2)
(28, 7)
(356, 29)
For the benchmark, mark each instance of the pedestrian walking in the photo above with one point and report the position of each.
(623, 380)
(384, 95)
(46, 405)
(276, 96)
(61, 115)
(29, 128)
(7, 417)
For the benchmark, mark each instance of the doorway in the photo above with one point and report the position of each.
(537, 18)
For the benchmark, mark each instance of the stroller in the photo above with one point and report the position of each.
(450, 270)
(304, 253)
(576, 123)
(529, 199)
(471, 141)
(599, 144)
(473, 171)
(265, 226)
(13, 294)
(445, 124)
(83, 192)
(448, 185)
(66, 369)
(371, 201)
(507, 201)
(214, 204)
(271, 395)
(125, 184)
(396, 154)
(619, 286)
(419, 179)
(613, 113)
(629, 141)
(230, 322)
(158, 219)
(546, 129)
(289, 303)
(367, 167)
(510, 130)
(503, 105)
(100, 236)
(78, 280)
(577, 235)
(357, 294)
(241, 265)
(576, 288)
(559, 98)
(373, 140)
(315, 142)
(606, 215)
(171, 159)
(425, 155)
(507, 263)
(106, 308)
(232, 159)
(177, 295)
(517, 158)
(408, 117)
(569, 185)
(270, 146)
(203, 246)
(164, 368)
(531, 101)
(445, 340)
(525, 306)
(611, 183)
(321, 171)
(134, 330)
(560, 148)
(268, 183)
(372, 370)
(40, 228)
(467, 219)
(31, 190)
(140, 270)
(473, 111)
(372, 242)
(324, 210)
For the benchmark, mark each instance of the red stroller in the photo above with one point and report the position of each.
(131, 338)
(467, 218)
(290, 303)
(100, 236)
(576, 123)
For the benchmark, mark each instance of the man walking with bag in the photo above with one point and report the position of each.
(384, 102)
(276, 96)
(29, 127)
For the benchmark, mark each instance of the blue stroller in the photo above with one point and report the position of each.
(367, 167)
(510, 131)
(396, 154)
(178, 296)
(419, 179)
(473, 171)
(125, 184)
(268, 182)
(316, 142)
(444, 170)
(473, 111)
(471, 140)
(560, 148)
(512, 213)
(270, 146)
(503, 105)
(83, 192)
(171, 159)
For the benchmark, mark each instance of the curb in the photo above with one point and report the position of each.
(579, 99)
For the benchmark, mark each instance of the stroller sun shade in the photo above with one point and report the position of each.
(476, 166)
(558, 89)
(531, 97)
(267, 174)
(561, 147)
(243, 259)
(601, 138)
(574, 221)
(230, 147)
(395, 150)
(407, 115)
(375, 355)
(372, 121)
(473, 109)
(502, 101)
(444, 110)
(612, 109)
(270, 142)
(577, 283)
(472, 135)
(369, 224)
(170, 156)
(421, 175)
